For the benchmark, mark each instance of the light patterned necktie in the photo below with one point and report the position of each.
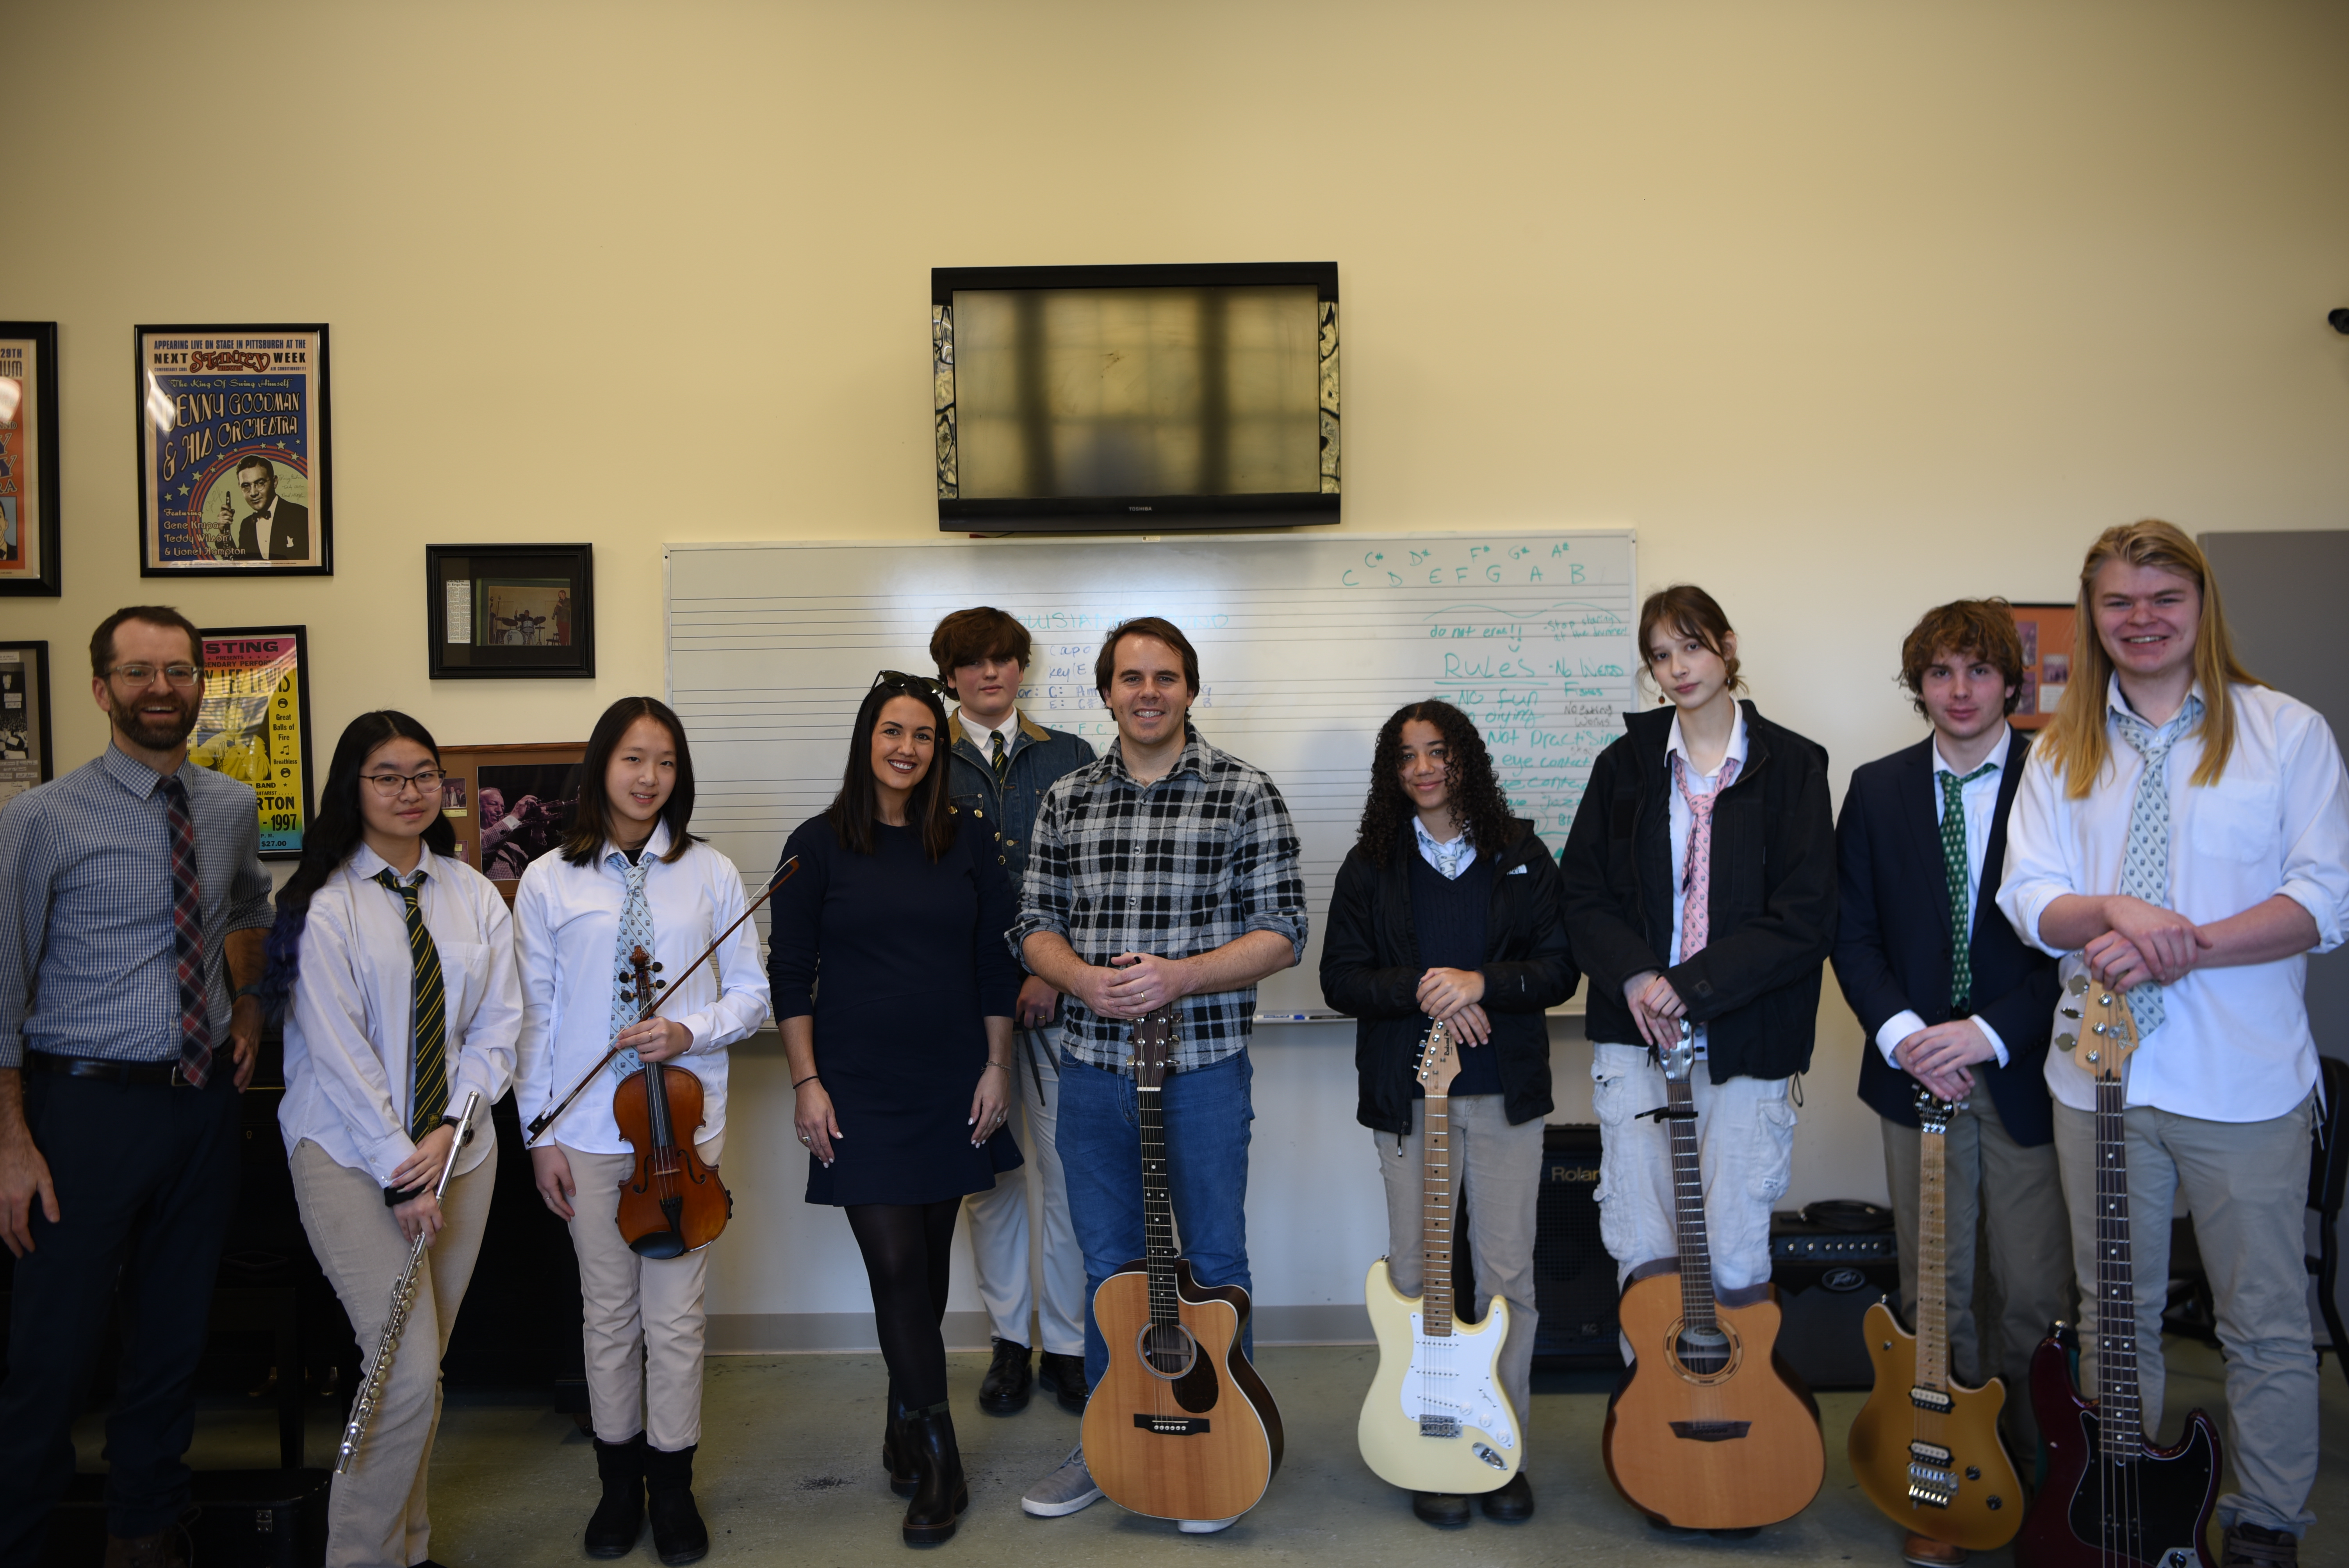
(1002, 755)
(2145, 862)
(428, 1097)
(187, 937)
(1696, 877)
(636, 930)
(1960, 877)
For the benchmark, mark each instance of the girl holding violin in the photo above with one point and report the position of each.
(392, 963)
(901, 1063)
(630, 879)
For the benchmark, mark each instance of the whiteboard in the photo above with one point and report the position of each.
(1305, 644)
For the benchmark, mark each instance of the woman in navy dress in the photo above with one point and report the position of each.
(900, 1057)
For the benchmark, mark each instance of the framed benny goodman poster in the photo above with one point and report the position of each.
(28, 458)
(235, 469)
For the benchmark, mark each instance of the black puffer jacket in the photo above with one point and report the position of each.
(1756, 987)
(1370, 970)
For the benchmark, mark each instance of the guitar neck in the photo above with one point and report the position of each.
(2120, 1421)
(1437, 1213)
(1688, 1209)
(1932, 1261)
(1157, 1207)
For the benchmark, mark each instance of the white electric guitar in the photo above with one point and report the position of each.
(1436, 1419)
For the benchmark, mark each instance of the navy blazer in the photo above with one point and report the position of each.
(1892, 939)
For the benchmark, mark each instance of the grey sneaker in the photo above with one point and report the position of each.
(1065, 1491)
(1204, 1526)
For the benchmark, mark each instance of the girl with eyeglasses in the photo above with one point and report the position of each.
(902, 1061)
(397, 961)
(630, 875)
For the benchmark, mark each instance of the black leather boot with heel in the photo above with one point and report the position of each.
(619, 1516)
(678, 1534)
(941, 1494)
(898, 1456)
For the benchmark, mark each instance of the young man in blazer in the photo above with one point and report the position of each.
(1950, 999)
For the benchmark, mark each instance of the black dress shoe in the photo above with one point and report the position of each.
(1512, 1504)
(1065, 1376)
(1439, 1507)
(1004, 1391)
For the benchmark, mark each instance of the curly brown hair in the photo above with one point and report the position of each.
(1475, 795)
(1968, 629)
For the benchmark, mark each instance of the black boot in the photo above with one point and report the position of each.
(942, 1494)
(897, 1454)
(678, 1534)
(619, 1516)
(1004, 1390)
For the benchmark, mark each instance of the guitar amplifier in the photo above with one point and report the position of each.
(1574, 1279)
(1827, 1277)
(245, 1519)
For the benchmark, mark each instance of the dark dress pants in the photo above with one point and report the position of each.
(146, 1176)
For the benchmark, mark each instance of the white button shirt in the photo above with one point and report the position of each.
(1978, 800)
(1683, 819)
(350, 1031)
(2235, 1045)
(567, 924)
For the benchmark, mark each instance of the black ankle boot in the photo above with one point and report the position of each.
(678, 1534)
(942, 1494)
(619, 1516)
(897, 1454)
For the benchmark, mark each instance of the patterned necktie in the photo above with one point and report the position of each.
(636, 930)
(2145, 862)
(1956, 872)
(187, 938)
(1696, 878)
(1002, 755)
(428, 1097)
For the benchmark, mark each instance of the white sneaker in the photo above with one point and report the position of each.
(1204, 1526)
(1067, 1490)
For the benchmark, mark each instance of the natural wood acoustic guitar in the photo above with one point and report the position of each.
(1180, 1425)
(1925, 1447)
(1709, 1430)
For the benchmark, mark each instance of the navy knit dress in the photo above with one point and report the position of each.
(912, 958)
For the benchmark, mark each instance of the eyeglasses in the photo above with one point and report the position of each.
(900, 678)
(388, 785)
(182, 675)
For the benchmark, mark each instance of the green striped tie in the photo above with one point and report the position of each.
(430, 1081)
(1002, 758)
(1961, 883)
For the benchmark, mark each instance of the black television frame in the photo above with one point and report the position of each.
(1140, 513)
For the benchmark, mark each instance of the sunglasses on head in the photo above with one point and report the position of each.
(910, 682)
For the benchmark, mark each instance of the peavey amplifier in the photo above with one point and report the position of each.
(1574, 1279)
(1827, 1277)
(244, 1518)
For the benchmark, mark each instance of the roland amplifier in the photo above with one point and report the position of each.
(1827, 1276)
(1574, 1279)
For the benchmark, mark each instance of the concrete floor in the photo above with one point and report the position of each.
(789, 1473)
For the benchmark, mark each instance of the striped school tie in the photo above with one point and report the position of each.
(187, 938)
(428, 1094)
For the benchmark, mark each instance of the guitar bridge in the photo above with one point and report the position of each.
(1931, 1481)
(1439, 1426)
(1711, 1431)
(1172, 1425)
(1934, 1399)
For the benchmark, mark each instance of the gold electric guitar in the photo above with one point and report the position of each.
(1926, 1448)
(1436, 1419)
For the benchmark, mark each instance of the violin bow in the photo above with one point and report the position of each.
(547, 1118)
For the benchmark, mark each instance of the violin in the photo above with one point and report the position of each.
(671, 1203)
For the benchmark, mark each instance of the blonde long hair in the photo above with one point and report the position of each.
(2076, 744)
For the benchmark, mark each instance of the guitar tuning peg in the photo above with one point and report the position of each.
(2067, 1042)
(2069, 1012)
(2077, 984)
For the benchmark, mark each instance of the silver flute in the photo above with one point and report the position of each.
(403, 1296)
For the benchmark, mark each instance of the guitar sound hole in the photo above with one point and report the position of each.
(1704, 1351)
(1166, 1349)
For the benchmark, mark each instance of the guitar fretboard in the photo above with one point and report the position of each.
(1688, 1209)
(1436, 1216)
(1157, 1207)
(1932, 1260)
(2120, 1420)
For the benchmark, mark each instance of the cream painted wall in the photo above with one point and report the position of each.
(1848, 308)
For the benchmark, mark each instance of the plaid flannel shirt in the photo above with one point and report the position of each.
(1181, 867)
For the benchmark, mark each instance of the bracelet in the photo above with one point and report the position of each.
(1000, 1066)
(810, 1078)
(242, 992)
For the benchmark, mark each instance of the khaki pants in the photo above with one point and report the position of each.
(999, 1218)
(375, 1517)
(1498, 1168)
(2246, 1184)
(642, 1318)
(2012, 1199)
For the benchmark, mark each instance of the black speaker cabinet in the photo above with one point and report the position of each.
(1827, 1280)
(245, 1519)
(1574, 1279)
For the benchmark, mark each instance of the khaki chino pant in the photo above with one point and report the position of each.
(375, 1517)
(999, 1225)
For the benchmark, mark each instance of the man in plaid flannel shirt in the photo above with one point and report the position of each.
(1164, 873)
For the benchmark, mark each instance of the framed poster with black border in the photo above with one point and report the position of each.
(510, 612)
(235, 476)
(255, 725)
(2046, 631)
(25, 758)
(510, 804)
(29, 509)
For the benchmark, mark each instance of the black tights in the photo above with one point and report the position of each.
(906, 1249)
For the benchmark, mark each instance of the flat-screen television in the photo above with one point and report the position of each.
(1140, 399)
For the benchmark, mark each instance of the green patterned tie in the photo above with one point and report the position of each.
(1961, 883)
(429, 1082)
(1002, 756)
(2144, 858)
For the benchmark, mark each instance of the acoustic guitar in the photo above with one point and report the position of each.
(1435, 1419)
(1925, 1447)
(1180, 1425)
(2112, 1499)
(1707, 1431)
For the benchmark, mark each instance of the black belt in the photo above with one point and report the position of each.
(166, 1074)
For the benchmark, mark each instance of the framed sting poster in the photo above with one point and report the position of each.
(28, 458)
(25, 756)
(234, 470)
(2046, 632)
(255, 725)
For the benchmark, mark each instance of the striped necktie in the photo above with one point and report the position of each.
(427, 1099)
(1002, 754)
(1958, 874)
(2145, 860)
(187, 937)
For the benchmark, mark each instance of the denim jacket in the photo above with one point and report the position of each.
(1008, 809)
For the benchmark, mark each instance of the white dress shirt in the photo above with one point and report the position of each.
(1009, 729)
(567, 924)
(1449, 857)
(1978, 800)
(2235, 1043)
(350, 1031)
(1683, 819)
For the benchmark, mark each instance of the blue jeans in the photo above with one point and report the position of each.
(1206, 1114)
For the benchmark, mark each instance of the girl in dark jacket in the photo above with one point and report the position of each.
(1700, 884)
(1447, 908)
